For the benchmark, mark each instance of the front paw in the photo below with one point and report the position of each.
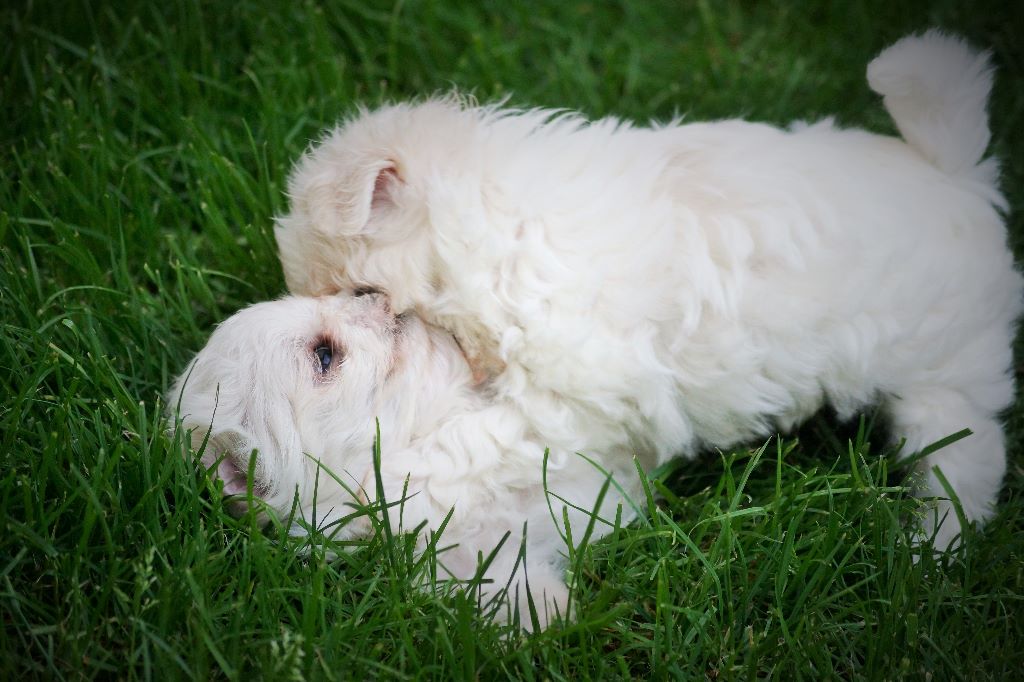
(939, 527)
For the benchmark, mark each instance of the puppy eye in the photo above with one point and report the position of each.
(365, 291)
(325, 355)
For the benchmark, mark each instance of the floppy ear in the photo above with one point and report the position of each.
(386, 181)
(212, 445)
(345, 205)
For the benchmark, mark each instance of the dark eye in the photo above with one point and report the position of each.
(324, 355)
(365, 291)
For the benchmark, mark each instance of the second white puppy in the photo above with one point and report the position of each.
(650, 291)
(302, 381)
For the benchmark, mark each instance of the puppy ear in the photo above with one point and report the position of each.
(212, 445)
(385, 183)
(353, 200)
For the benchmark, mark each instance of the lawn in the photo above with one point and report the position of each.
(144, 151)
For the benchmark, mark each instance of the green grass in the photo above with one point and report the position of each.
(144, 150)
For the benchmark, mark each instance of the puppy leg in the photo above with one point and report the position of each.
(482, 467)
(544, 585)
(540, 584)
(973, 466)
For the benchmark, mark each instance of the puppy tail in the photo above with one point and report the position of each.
(936, 89)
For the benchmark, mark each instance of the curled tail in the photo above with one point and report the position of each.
(936, 89)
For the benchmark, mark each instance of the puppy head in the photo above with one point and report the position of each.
(301, 381)
(361, 201)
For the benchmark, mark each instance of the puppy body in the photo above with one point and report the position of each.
(649, 291)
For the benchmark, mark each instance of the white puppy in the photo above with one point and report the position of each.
(625, 291)
(303, 380)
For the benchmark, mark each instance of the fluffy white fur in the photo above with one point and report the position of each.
(259, 385)
(623, 291)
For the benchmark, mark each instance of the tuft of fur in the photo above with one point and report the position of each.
(628, 292)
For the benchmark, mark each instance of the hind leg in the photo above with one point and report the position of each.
(973, 466)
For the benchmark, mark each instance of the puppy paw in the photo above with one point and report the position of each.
(940, 528)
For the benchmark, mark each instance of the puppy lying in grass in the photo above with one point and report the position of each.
(304, 380)
(616, 291)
